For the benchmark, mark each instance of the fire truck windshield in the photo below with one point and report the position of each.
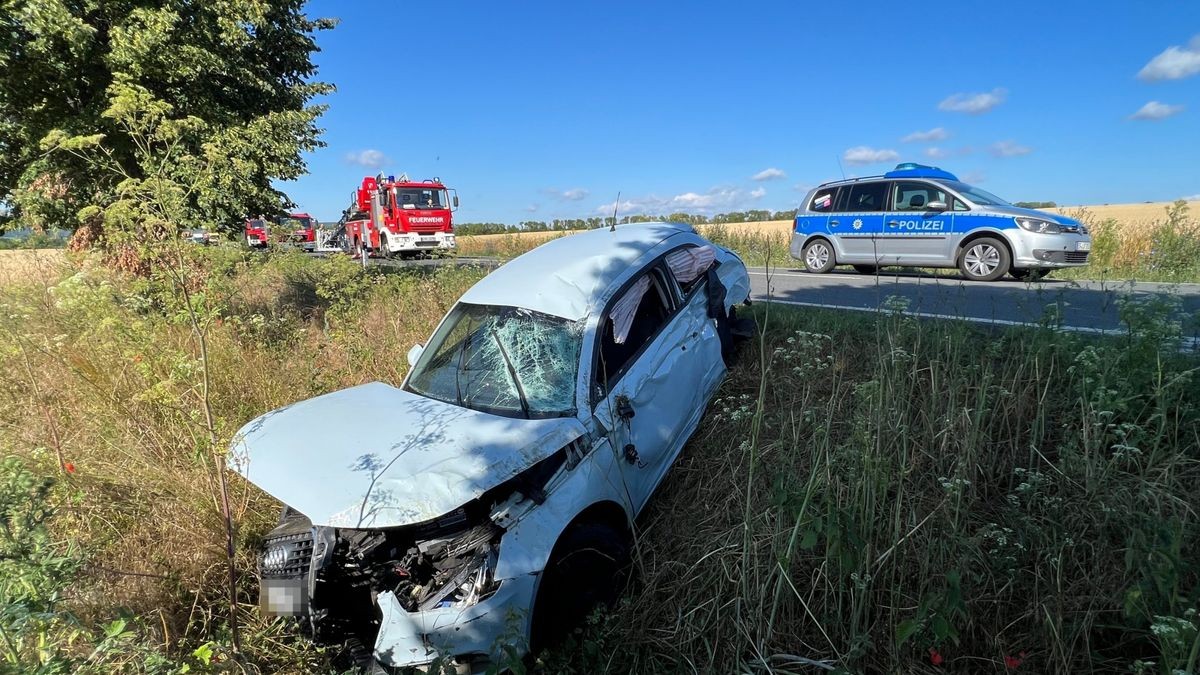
(295, 223)
(421, 198)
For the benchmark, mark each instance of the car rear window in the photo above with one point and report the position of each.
(823, 200)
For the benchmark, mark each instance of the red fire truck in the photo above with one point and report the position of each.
(390, 215)
(295, 228)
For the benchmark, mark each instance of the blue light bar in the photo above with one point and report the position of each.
(914, 170)
(391, 179)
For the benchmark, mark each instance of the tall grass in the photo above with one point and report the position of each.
(98, 373)
(865, 489)
(883, 495)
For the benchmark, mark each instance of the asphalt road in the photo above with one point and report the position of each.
(1084, 305)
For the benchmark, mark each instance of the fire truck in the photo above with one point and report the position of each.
(398, 216)
(294, 228)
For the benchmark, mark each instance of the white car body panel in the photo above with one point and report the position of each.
(329, 459)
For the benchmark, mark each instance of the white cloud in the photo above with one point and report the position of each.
(769, 174)
(371, 159)
(931, 136)
(973, 104)
(1192, 198)
(532, 208)
(862, 154)
(1009, 149)
(1174, 63)
(715, 200)
(1156, 111)
(935, 152)
(571, 195)
(974, 177)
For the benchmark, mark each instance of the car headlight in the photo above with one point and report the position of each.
(1038, 226)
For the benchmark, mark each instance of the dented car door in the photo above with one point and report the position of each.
(654, 379)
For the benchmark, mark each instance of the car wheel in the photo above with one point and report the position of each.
(984, 259)
(818, 256)
(588, 568)
(866, 269)
(1028, 275)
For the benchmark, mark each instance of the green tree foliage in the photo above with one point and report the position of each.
(240, 70)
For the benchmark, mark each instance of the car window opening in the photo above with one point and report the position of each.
(689, 264)
(632, 322)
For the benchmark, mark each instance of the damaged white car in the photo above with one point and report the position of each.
(488, 501)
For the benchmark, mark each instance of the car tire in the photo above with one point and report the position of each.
(984, 259)
(867, 269)
(1028, 274)
(818, 256)
(588, 568)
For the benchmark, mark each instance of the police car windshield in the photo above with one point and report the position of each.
(980, 197)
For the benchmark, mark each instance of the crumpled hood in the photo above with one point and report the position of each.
(376, 456)
(1034, 213)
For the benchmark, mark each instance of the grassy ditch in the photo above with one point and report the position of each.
(887, 495)
(872, 492)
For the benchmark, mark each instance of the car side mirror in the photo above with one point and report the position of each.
(936, 206)
(414, 354)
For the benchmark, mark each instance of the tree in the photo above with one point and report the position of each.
(241, 69)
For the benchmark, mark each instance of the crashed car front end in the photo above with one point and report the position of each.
(408, 595)
(428, 582)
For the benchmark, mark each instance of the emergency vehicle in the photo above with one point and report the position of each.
(294, 228)
(922, 216)
(390, 215)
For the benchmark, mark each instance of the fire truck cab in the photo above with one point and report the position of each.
(391, 215)
(294, 228)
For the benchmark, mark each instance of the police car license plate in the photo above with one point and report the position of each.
(1083, 246)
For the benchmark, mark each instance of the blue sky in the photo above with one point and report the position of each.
(543, 110)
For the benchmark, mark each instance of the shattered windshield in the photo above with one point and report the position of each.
(502, 360)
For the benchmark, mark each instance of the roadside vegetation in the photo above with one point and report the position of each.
(869, 492)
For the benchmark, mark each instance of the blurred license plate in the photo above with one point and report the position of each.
(1083, 246)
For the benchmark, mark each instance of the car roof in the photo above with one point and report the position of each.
(570, 276)
(904, 170)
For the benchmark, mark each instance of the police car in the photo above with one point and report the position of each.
(922, 216)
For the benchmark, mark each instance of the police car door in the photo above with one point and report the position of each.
(859, 221)
(914, 232)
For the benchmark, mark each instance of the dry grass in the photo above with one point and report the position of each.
(24, 265)
(1125, 213)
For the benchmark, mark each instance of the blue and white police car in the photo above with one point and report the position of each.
(922, 216)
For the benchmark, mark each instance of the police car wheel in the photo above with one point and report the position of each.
(818, 257)
(984, 259)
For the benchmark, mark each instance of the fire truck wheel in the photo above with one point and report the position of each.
(385, 250)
